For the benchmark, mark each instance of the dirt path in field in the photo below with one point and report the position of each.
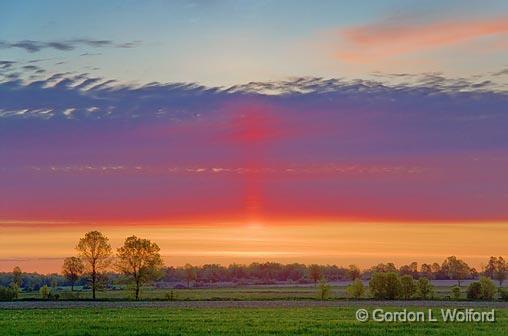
(240, 304)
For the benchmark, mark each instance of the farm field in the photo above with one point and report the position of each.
(227, 321)
(442, 290)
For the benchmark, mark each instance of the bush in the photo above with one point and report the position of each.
(424, 288)
(356, 289)
(385, 285)
(474, 291)
(488, 288)
(7, 293)
(456, 292)
(408, 287)
(323, 290)
(44, 292)
(503, 294)
(377, 285)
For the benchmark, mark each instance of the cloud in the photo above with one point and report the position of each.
(67, 45)
(6, 64)
(401, 36)
(433, 149)
(503, 72)
(110, 99)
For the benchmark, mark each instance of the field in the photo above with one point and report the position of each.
(254, 310)
(291, 320)
(442, 290)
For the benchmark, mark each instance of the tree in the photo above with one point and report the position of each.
(490, 268)
(7, 293)
(393, 286)
(190, 274)
(474, 291)
(408, 287)
(315, 273)
(377, 285)
(411, 269)
(16, 276)
(44, 292)
(488, 288)
(353, 272)
(356, 289)
(385, 285)
(426, 271)
(324, 289)
(496, 269)
(139, 259)
(95, 252)
(501, 270)
(456, 292)
(16, 280)
(436, 270)
(456, 269)
(389, 267)
(424, 288)
(72, 269)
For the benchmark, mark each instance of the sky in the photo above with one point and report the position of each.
(235, 131)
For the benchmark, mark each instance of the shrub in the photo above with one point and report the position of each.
(488, 288)
(408, 287)
(7, 293)
(474, 291)
(456, 292)
(503, 294)
(393, 286)
(356, 289)
(424, 288)
(44, 292)
(15, 288)
(323, 290)
(377, 285)
(385, 285)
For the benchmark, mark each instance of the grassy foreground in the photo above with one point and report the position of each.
(225, 321)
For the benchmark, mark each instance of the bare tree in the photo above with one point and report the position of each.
(72, 269)
(95, 252)
(139, 259)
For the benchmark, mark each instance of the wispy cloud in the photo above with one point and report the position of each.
(66, 45)
(7, 64)
(400, 36)
(90, 97)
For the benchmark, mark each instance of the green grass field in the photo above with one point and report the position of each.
(225, 321)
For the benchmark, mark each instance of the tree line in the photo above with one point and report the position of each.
(138, 261)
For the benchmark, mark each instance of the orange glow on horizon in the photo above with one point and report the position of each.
(364, 244)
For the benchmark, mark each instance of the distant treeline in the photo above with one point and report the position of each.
(268, 273)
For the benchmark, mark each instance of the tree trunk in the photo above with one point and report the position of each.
(137, 290)
(72, 286)
(94, 276)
